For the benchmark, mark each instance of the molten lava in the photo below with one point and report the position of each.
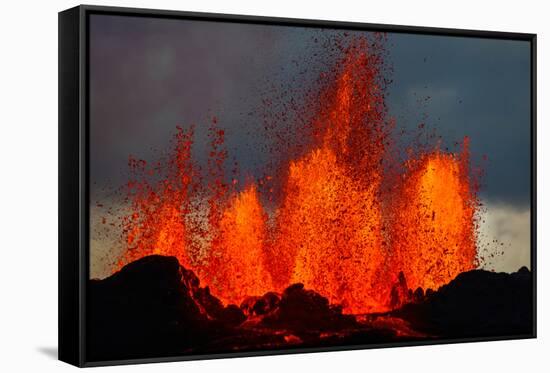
(156, 222)
(335, 228)
(333, 223)
(238, 250)
(433, 229)
(329, 224)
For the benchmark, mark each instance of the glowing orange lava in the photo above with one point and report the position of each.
(333, 223)
(156, 221)
(334, 228)
(330, 220)
(433, 228)
(238, 250)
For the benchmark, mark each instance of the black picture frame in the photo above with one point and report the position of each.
(74, 169)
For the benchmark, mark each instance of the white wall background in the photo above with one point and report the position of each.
(28, 184)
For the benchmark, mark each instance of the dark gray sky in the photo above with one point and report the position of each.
(149, 75)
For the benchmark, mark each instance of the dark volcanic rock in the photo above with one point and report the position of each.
(232, 315)
(214, 308)
(257, 306)
(305, 312)
(150, 282)
(153, 307)
(475, 304)
(400, 292)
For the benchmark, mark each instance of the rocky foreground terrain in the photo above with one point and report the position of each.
(154, 307)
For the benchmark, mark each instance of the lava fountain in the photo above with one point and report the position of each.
(334, 228)
(156, 221)
(329, 223)
(433, 224)
(237, 265)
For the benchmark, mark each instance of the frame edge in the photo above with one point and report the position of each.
(69, 222)
(72, 143)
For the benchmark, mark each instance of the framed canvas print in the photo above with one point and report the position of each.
(236, 186)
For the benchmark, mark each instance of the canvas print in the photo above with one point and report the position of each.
(261, 187)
